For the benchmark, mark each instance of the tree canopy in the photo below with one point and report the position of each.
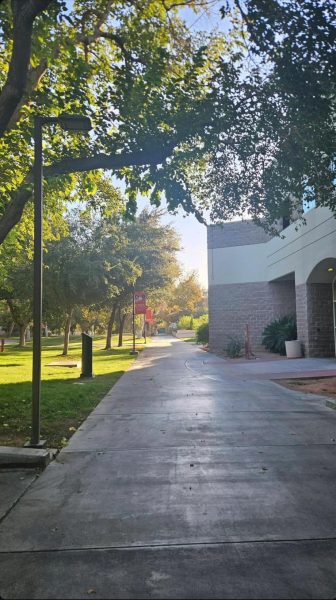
(183, 296)
(237, 124)
(281, 151)
(133, 67)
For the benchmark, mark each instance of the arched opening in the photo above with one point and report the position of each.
(321, 308)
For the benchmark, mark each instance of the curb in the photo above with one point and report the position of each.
(25, 457)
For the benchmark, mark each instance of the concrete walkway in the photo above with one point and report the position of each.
(283, 368)
(187, 481)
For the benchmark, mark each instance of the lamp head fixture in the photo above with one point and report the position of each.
(74, 122)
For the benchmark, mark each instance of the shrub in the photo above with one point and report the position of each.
(234, 347)
(185, 322)
(189, 322)
(202, 334)
(278, 332)
(201, 320)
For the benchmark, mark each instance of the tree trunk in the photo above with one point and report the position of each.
(10, 329)
(22, 341)
(109, 328)
(24, 14)
(67, 334)
(121, 329)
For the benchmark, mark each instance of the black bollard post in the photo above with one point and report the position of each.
(86, 356)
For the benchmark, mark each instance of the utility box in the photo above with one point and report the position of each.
(87, 355)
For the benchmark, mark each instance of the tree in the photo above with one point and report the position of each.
(182, 298)
(152, 248)
(21, 311)
(134, 68)
(140, 253)
(281, 150)
(16, 290)
(111, 243)
(122, 273)
(7, 323)
(188, 293)
(78, 265)
(74, 273)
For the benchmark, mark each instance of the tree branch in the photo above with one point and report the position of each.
(243, 14)
(114, 37)
(112, 162)
(33, 79)
(34, 75)
(13, 212)
(24, 14)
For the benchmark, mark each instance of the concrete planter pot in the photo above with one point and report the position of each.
(293, 349)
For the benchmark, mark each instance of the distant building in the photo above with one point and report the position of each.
(254, 279)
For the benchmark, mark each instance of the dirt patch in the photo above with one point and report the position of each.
(323, 386)
(257, 357)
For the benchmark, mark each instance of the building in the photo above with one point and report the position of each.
(254, 279)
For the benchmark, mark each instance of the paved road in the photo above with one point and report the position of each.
(187, 481)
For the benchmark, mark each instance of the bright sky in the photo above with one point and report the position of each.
(193, 255)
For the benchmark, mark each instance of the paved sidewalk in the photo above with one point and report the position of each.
(13, 484)
(186, 482)
(283, 368)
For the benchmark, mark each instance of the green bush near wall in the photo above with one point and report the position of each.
(278, 332)
(201, 320)
(202, 334)
(234, 347)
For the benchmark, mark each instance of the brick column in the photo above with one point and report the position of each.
(302, 316)
(315, 319)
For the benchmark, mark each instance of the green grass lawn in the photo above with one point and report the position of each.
(66, 399)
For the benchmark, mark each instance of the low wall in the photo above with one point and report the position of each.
(184, 333)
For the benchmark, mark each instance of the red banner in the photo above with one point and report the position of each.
(149, 316)
(140, 303)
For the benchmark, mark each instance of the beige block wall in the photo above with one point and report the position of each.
(233, 306)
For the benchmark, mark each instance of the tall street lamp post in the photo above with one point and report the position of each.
(133, 352)
(68, 123)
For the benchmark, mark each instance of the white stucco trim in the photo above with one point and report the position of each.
(237, 264)
(302, 249)
(299, 250)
